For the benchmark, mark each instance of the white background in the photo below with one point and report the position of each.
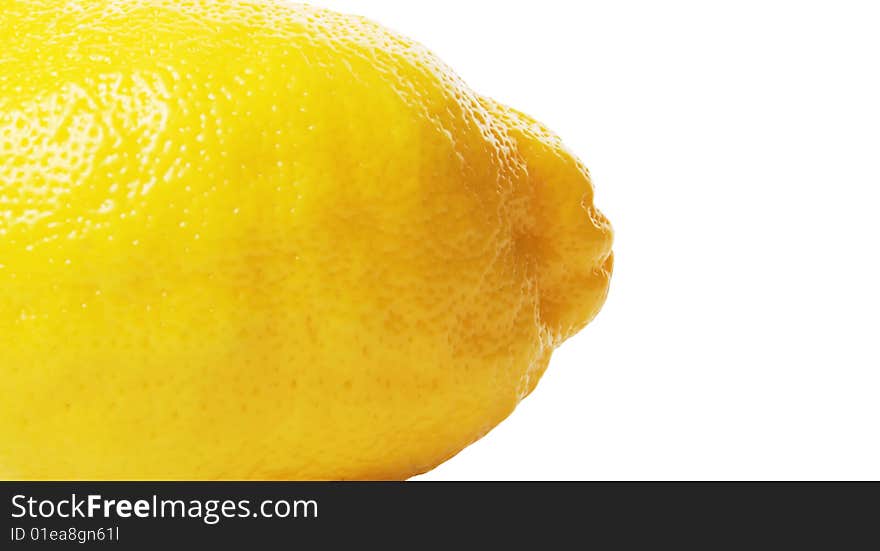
(736, 148)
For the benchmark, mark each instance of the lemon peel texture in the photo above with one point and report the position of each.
(256, 240)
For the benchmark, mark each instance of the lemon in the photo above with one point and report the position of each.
(256, 240)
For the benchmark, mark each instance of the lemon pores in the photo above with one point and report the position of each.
(256, 240)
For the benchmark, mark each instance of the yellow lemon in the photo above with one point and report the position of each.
(254, 240)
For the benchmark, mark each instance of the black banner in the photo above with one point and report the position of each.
(326, 515)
